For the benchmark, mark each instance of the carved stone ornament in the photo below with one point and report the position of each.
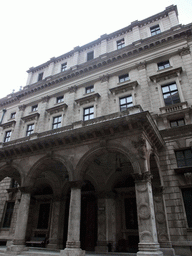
(160, 217)
(146, 236)
(141, 65)
(22, 107)
(139, 177)
(188, 178)
(76, 184)
(104, 78)
(72, 89)
(184, 51)
(45, 99)
(144, 212)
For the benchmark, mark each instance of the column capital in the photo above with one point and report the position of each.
(142, 177)
(26, 190)
(76, 183)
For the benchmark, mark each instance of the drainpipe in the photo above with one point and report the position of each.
(4, 110)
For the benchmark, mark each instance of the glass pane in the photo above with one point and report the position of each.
(173, 124)
(173, 87)
(129, 99)
(122, 101)
(86, 111)
(181, 122)
(188, 154)
(187, 198)
(165, 89)
(92, 116)
(167, 99)
(91, 110)
(85, 118)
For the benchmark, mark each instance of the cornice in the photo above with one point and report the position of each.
(8, 124)
(166, 74)
(124, 87)
(87, 99)
(30, 117)
(130, 52)
(56, 109)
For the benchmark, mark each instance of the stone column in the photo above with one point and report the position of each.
(73, 238)
(148, 244)
(111, 222)
(21, 224)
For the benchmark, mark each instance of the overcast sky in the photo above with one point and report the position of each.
(34, 31)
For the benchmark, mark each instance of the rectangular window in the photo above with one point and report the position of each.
(88, 113)
(34, 108)
(63, 67)
(13, 115)
(8, 214)
(56, 122)
(14, 184)
(155, 30)
(90, 55)
(43, 220)
(89, 89)
(121, 43)
(40, 76)
(163, 65)
(125, 102)
(60, 99)
(178, 122)
(170, 94)
(184, 157)
(187, 199)
(30, 129)
(7, 136)
(123, 78)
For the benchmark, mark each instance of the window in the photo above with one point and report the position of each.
(30, 129)
(121, 43)
(163, 65)
(125, 102)
(56, 122)
(155, 30)
(43, 220)
(40, 76)
(88, 113)
(13, 115)
(89, 89)
(178, 122)
(187, 199)
(8, 214)
(170, 94)
(90, 55)
(184, 157)
(63, 67)
(34, 108)
(7, 136)
(123, 78)
(60, 99)
(14, 184)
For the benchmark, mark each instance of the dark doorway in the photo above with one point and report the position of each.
(88, 218)
(66, 218)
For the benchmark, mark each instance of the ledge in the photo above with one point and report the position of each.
(31, 117)
(173, 108)
(166, 74)
(87, 99)
(58, 108)
(124, 87)
(8, 124)
(182, 170)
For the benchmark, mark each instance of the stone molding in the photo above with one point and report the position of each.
(124, 87)
(45, 99)
(184, 51)
(91, 98)
(164, 75)
(22, 107)
(10, 124)
(57, 108)
(142, 177)
(30, 117)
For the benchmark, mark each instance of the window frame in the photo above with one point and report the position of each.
(34, 108)
(90, 115)
(187, 207)
(40, 77)
(63, 67)
(169, 92)
(163, 65)
(155, 30)
(30, 129)
(121, 106)
(89, 89)
(120, 43)
(177, 120)
(90, 55)
(6, 213)
(124, 78)
(60, 99)
(13, 115)
(187, 161)
(7, 136)
(58, 123)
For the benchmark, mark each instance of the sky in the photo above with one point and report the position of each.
(33, 31)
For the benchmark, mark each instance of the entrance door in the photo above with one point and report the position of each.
(88, 222)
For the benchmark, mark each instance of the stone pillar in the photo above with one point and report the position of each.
(54, 227)
(21, 224)
(111, 222)
(148, 242)
(73, 238)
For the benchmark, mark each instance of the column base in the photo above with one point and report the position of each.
(168, 251)
(16, 249)
(148, 253)
(72, 252)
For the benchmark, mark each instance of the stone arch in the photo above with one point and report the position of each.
(14, 171)
(89, 156)
(154, 168)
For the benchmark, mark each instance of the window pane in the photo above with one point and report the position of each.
(181, 122)
(8, 215)
(122, 101)
(129, 99)
(86, 111)
(165, 89)
(187, 198)
(173, 87)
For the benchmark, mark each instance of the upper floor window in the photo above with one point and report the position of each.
(123, 78)
(155, 30)
(56, 122)
(89, 89)
(90, 55)
(8, 214)
(187, 199)
(30, 129)
(121, 43)
(170, 94)
(40, 76)
(7, 136)
(34, 108)
(14, 184)
(60, 99)
(88, 113)
(125, 102)
(163, 65)
(178, 122)
(13, 115)
(184, 157)
(63, 67)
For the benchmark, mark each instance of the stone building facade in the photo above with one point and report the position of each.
(96, 149)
